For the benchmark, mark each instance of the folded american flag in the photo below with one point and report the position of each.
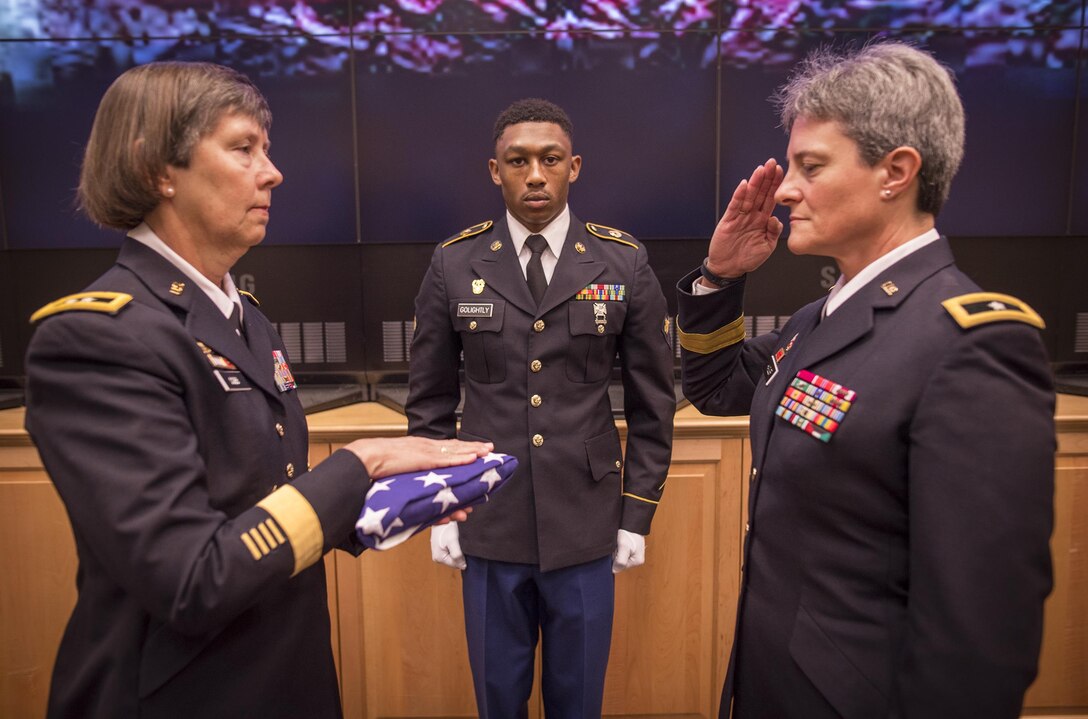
(403, 504)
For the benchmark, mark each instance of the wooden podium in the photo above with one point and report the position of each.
(398, 631)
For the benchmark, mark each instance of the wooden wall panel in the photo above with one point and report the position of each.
(37, 576)
(398, 633)
(1062, 683)
(413, 627)
(663, 632)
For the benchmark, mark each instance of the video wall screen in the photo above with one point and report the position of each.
(383, 108)
(646, 137)
(1078, 205)
(383, 114)
(44, 127)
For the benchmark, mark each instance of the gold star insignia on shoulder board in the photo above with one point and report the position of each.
(108, 302)
(469, 232)
(979, 308)
(611, 233)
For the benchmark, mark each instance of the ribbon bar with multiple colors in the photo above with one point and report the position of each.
(815, 404)
(612, 293)
(401, 505)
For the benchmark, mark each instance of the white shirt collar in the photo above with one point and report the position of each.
(223, 297)
(843, 291)
(555, 233)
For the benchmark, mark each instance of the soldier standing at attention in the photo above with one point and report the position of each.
(541, 304)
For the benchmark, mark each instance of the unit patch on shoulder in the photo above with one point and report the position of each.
(108, 302)
(469, 232)
(611, 233)
(979, 308)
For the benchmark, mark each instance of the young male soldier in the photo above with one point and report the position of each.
(541, 304)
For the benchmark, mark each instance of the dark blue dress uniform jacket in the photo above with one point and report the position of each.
(543, 373)
(900, 568)
(199, 529)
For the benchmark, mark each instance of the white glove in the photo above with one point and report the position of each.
(446, 547)
(630, 551)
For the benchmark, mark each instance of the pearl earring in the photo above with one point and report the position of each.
(887, 193)
(169, 192)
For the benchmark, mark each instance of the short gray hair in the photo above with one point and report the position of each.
(885, 95)
(152, 116)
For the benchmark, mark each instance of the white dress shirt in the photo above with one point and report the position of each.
(842, 291)
(555, 233)
(225, 297)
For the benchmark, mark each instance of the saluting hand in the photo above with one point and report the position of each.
(747, 233)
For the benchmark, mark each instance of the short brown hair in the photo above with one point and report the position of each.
(150, 117)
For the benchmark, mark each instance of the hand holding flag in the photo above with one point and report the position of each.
(401, 505)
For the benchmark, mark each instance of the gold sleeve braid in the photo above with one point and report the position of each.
(299, 522)
(720, 338)
(641, 499)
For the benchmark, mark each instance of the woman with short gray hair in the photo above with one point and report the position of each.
(896, 558)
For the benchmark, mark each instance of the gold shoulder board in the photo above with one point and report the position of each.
(979, 308)
(469, 232)
(249, 296)
(611, 233)
(108, 302)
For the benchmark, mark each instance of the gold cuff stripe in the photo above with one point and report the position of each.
(275, 531)
(299, 522)
(720, 338)
(108, 302)
(268, 538)
(1020, 311)
(261, 544)
(641, 499)
(251, 546)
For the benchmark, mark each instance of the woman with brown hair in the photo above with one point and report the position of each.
(165, 412)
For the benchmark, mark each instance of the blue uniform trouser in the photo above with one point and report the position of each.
(507, 605)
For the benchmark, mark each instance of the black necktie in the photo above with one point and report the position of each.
(534, 271)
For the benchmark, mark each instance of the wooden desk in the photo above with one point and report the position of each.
(398, 631)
